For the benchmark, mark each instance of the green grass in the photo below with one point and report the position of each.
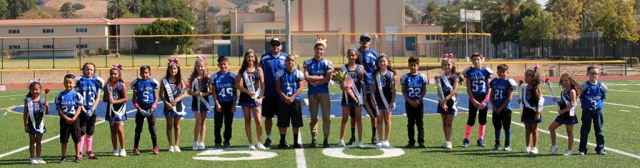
(620, 133)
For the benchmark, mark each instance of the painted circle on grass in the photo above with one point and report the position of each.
(386, 153)
(214, 155)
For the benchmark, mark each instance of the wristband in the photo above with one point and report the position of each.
(154, 106)
(136, 106)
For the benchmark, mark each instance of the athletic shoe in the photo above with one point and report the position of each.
(116, 153)
(251, 146)
(359, 144)
(352, 140)
(123, 153)
(341, 143)
(379, 144)
(314, 143)
(325, 143)
(602, 152)
(386, 144)
(40, 161)
(217, 146)
(409, 145)
(155, 150)
(227, 145)
(554, 149)
(171, 149)
(201, 146)
(297, 145)
(481, 142)
(136, 151)
(421, 145)
(194, 146)
(374, 140)
(534, 150)
(176, 148)
(267, 143)
(568, 153)
(283, 144)
(261, 146)
(583, 153)
(92, 156)
(78, 159)
(507, 148)
(465, 143)
(33, 161)
(63, 159)
(526, 150)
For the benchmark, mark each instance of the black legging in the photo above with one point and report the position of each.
(225, 116)
(502, 120)
(482, 119)
(152, 127)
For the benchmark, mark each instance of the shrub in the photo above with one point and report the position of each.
(93, 52)
(106, 52)
(78, 6)
(80, 53)
(633, 61)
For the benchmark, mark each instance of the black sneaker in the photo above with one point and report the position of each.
(63, 159)
(78, 160)
(351, 141)
(602, 152)
(217, 146)
(314, 143)
(92, 156)
(325, 143)
(297, 145)
(267, 143)
(421, 145)
(283, 144)
(410, 145)
(227, 145)
(374, 140)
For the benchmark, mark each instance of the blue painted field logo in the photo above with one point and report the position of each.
(386, 153)
(214, 155)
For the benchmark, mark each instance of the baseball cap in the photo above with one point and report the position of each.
(275, 40)
(365, 36)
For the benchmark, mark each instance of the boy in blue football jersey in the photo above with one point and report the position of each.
(289, 87)
(271, 63)
(501, 93)
(593, 94)
(414, 87)
(89, 86)
(68, 104)
(478, 79)
(145, 100)
(317, 73)
(222, 83)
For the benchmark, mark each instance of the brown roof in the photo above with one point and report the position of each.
(81, 21)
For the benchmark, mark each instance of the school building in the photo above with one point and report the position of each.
(328, 18)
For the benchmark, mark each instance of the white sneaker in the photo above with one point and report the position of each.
(526, 150)
(582, 153)
(534, 150)
(201, 146)
(251, 146)
(40, 161)
(33, 161)
(261, 146)
(508, 148)
(554, 149)
(123, 153)
(171, 149)
(359, 144)
(568, 153)
(176, 148)
(447, 145)
(116, 153)
(378, 144)
(194, 146)
(385, 144)
(341, 143)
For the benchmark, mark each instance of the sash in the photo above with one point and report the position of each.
(384, 100)
(167, 89)
(352, 86)
(572, 110)
(200, 98)
(40, 127)
(443, 79)
(526, 103)
(120, 112)
(251, 88)
(446, 82)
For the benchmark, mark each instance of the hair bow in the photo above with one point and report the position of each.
(119, 66)
(201, 58)
(34, 80)
(447, 56)
(173, 61)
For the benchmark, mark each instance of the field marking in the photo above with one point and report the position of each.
(623, 105)
(625, 110)
(301, 161)
(52, 138)
(14, 95)
(624, 90)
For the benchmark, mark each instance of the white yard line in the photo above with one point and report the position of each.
(301, 161)
(623, 105)
(624, 91)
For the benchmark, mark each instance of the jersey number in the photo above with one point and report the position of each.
(146, 96)
(477, 86)
(67, 110)
(89, 99)
(498, 95)
(414, 92)
(224, 92)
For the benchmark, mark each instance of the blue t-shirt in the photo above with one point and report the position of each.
(318, 68)
(68, 101)
(479, 79)
(592, 95)
(501, 88)
(414, 85)
(225, 88)
(369, 59)
(145, 90)
(89, 88)
(271, 64)
(289, 82)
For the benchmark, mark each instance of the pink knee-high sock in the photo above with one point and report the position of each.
(467, 131)
(81, 143)
(481, 131)
(89, 141)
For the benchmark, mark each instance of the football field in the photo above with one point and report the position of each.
(620, 129)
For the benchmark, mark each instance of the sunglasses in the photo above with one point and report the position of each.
(365, 39)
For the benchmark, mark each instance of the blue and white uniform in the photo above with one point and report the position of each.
(116, 92)
(35, 116)
(500, 89)
(68, 102)
(531, 103)
(89, 88)
(318, 68)
(479, 79)
(175, 89)
(386, 82)
(564, 101)
(289, 82)
(224, 86)
(201, 86)
(592, 95)
(414, 85)
(271, 64)
(369, 59)
(145, 91)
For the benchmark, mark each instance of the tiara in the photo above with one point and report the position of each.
(119, 66)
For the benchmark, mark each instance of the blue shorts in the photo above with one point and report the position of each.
(171, 114)
(566, 122)
(249, 104)
(116, 118)
(202, 108)
(34, 132)
(531, 121)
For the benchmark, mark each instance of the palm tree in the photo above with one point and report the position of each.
(408, 13)
(134, 6)
(265, 8)
(66, 10)
(430, 13)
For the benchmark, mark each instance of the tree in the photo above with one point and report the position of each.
(4, 13)
(134, 6)
(204, 23)
(430, 13)
(116, 9)
(78, 6)
(167, 44)
(17, 7)
(616, 21)
(43, 13)
(566, 18)
(536, 28)
(67, 11)
(166, 8)
(408, 13)
(267, 8)
(213, 9)
(226, 24)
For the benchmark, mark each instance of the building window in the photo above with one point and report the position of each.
(47, 30)
(11, 47)
(432, 37)
(14, 31)
(81, 46)
(47, 46)
(81, 30)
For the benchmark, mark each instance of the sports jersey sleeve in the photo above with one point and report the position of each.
(99, 82)
(58, 101)
(488, 72)
(155, 84)
(583, 89)
(233, 76)
(133, 84)
(512, 84)
(212, 78)
(299, 76)
(79, 99)
(604, 90)
(466, 72)
(425, 79)
(78, 84)
(403, 79)
(279, 75)
(328, 64)
(492, 83)
(306, 64)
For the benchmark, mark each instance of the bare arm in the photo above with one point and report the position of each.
(573, 96)
(454, 91)
(24, 116)
(393, 87)
(183, 95)
(310, 78)
(123, 98)
(261, 83)
(162, 91)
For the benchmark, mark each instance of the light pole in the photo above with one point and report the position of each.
(158, 43)
(288, 24)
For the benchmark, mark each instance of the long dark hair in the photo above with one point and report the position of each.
(536, 80)
(119, 74)
(178, 75)
(244, 61)
(31, 85)
(377, 69)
